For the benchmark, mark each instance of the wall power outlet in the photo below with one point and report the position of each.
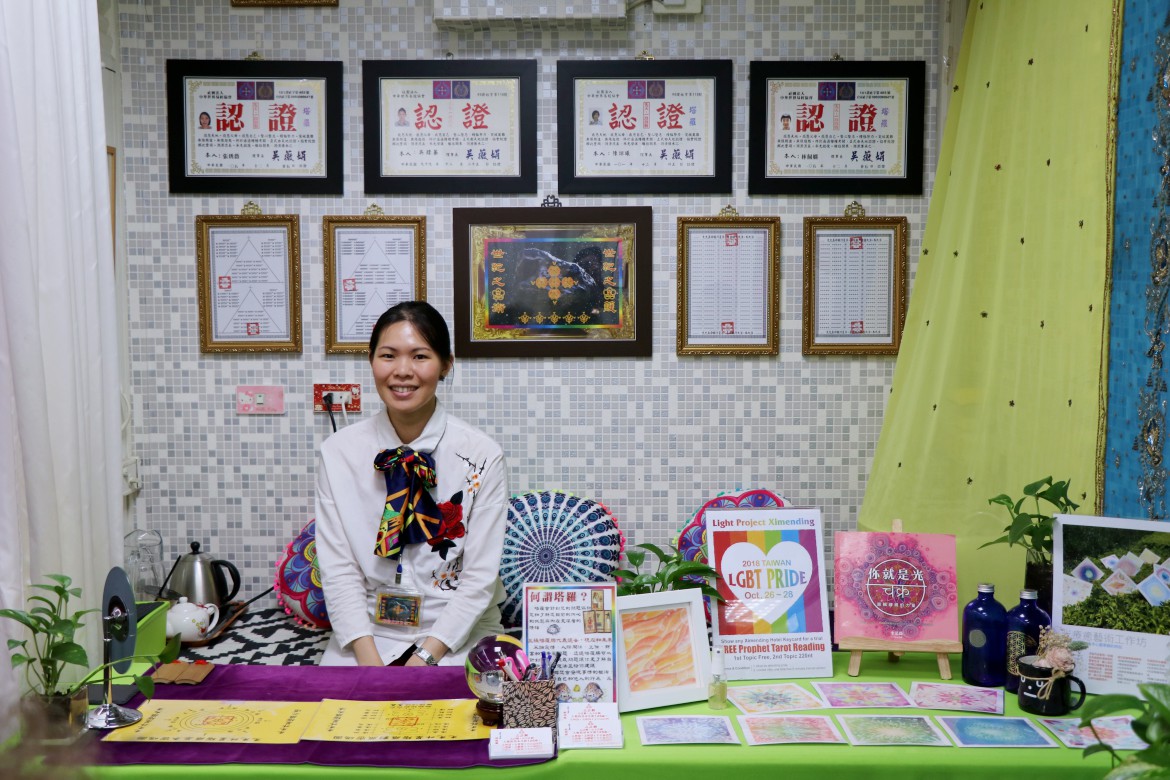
(347, 396)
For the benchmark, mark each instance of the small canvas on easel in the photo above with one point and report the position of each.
(896, 592)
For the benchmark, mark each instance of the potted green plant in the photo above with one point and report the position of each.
(1151, 725)
(673, 572)
(1031, 528)
(52, 647)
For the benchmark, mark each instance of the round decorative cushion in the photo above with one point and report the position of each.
(298, 581)
(692, 540)
(555, 537)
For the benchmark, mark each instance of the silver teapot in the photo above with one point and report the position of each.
(201, 578)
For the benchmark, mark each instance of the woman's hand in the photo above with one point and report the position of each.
(366, 651)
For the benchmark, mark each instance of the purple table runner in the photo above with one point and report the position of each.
(239, 682)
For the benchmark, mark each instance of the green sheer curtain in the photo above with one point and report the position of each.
(1000, 380)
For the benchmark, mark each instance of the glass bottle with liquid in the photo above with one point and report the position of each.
(1024, 622)
(984, 639)
(717, 688)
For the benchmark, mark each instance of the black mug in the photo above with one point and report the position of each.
(1045, 691)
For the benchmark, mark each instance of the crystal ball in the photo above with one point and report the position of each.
(484, 677)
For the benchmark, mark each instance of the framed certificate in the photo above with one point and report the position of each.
(449, 126)
(828, 128)
(372, 262)
(552, 282)
(647, 126)
(728, 286)
(254, 127)
(854, 285)
(249, 271)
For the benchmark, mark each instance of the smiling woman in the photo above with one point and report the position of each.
(410, 512)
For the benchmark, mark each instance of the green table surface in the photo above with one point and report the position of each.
(742, 762)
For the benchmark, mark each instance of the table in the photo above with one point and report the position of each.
(742, 762)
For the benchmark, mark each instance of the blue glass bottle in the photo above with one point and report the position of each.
(1024, 622)
(984, 639)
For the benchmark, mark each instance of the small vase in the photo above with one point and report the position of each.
(53, 719)
(1038, 577)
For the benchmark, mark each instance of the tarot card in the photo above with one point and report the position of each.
(1116, 732)
(1162, 572)
(892, 730)
(1149, 556)
(966, 698)
(1110, 561)
(686, 729)
(1118, 583)
(783, 697)
(1075, 590)
(978, 731)
(1155, 590)
(1129, 564)
(862, 694)
(1088, 571)
(789, 729)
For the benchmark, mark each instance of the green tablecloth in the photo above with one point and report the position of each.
(686, 762)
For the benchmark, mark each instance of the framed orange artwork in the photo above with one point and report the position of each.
(663, 657)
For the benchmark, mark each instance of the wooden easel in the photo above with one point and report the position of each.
(894, 649)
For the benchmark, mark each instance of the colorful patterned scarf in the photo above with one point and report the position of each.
(411, 515)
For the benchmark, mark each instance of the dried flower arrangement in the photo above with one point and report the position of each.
(1055, 650)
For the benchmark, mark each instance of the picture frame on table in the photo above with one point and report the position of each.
(553, 282)
(656, 630)
(728, 288)
(854, 296)
(372, 262)
(831, 128)
(644, 126)
(449, 126)
(254, 127)
(249, 282)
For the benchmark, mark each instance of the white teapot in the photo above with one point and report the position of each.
(191, 621)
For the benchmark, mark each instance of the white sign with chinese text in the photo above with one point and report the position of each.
(577, 621)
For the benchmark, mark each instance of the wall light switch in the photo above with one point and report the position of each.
(259, 399)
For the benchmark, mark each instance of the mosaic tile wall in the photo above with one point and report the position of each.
(651, 438)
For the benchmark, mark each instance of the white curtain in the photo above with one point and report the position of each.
(60, 450)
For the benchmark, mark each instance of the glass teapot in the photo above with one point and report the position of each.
(144, 563)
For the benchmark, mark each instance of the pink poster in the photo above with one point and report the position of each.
(895, 587)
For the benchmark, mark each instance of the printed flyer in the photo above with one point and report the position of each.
(574, 623)
(774, 620)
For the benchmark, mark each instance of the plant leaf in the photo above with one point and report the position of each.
(1108, 704)
(145, 684)
(1034, 487)
(1158, 697)
(69, 653)
(636, 558)
(1001, 540)
(1096, 747)
(171, 651)
(1003, 499)
(658, 551)
(20, 617)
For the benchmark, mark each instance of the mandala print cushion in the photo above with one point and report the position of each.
(555, 537)
(298, 582)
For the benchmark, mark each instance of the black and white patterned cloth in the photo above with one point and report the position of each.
(267, 636)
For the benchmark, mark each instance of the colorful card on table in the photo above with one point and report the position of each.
(977, 731)
(892, 730)
(774, 619)
(862, 694)
(1116, 732)
(781, 697)
(895, 587)
(589, 725)
(1075, 590)
(686, 729)
(967, 698)
(1088, 571)
(521, 743)
(209, 722)
(789, 729)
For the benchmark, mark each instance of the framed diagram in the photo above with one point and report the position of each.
(728, 285)
(854, 284)
(249, 276)
(372, 262)
(552, 282)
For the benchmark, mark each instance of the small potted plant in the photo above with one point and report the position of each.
(674, 572)
(1151, 724)
(51, 648)
(1032, 530)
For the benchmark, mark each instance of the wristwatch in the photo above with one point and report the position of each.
(427, 658)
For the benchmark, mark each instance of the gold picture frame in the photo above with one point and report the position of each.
(350, 310)
(723, 262)
(854, 284)
(249, 277)
(283, 3)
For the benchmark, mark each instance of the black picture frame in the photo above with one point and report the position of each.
(180, 73)
(762, 181)
(438, 183)
(719, 146)
(617, 258)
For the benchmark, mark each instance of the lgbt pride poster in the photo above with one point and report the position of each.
(774, 619)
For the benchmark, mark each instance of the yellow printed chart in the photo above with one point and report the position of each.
(373, 721)
(254, 722)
